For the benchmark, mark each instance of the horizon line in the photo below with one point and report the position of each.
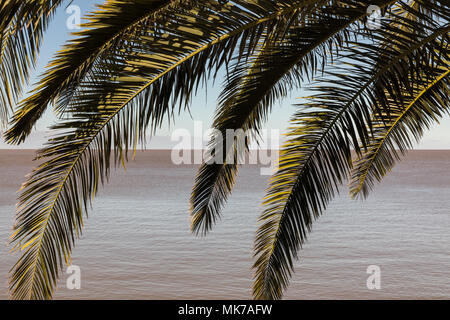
(171, 149)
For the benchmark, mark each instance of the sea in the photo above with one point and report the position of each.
(137, 244)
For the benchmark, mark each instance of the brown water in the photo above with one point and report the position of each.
(137, 244)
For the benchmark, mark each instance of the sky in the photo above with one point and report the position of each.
(199, 120)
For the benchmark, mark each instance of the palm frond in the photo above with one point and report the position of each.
(22, 25)
(128, 91)
(255, 84)
(317, 157)
(393, 137)
(109, 28)
(405, 120)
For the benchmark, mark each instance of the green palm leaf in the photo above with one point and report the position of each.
(22, 24)
(127, 91)
(392, 137)
(317, 157)
(139, 62)
(421, 106)
(111, 27)
(108, 29)
(256, 83)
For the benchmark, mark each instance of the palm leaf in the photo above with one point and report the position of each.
(256, 83)
(421, 105)
(22, 25)
(108, 29)
(127, 91)
(317, 157)
(425, 106)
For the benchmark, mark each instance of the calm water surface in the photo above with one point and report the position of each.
(137, 245)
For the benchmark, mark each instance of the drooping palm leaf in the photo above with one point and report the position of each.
(317, 157)
(256, 83)
(108, 29)
(22, 24)
(393, 137)
(127, 90)
(405, 120)
(134, 80)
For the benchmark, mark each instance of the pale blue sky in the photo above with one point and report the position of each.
(202, 107)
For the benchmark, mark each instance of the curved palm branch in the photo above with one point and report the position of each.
(128, 91)
(113, 26)
(116, 22)
(392, 137)
(317, 158)
(22, 24)
(256, 84)
(394, 130)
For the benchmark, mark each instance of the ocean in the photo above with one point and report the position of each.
(137, 244)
